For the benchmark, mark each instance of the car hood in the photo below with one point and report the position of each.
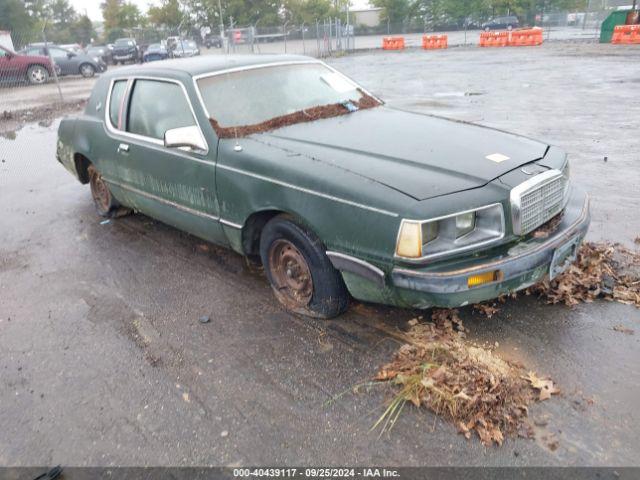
(419, 155)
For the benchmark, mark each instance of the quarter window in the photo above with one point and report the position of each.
(115, 103)
(156, 107)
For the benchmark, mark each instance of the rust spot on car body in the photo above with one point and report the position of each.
(308, 115)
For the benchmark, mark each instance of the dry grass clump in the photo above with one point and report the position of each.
(468, 385)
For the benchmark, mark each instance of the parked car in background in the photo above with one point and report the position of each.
(101, 52)
(70, 63)
(155, 51)
(185, 48)
(125, 50)
(211, 41)
(15, 67)
(501, 23)
(284, 159)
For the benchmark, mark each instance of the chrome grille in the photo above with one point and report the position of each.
(537, 200)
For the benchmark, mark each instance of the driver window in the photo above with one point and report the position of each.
(58, 53)
(156, 107)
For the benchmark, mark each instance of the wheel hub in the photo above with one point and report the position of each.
(100, 192)
(291, 274)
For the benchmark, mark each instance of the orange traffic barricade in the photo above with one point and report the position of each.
(393, 43)
(626, 34)
(494, 39)
(526, 37)
(432, 42)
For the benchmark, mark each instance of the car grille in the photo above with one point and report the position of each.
(536, 201)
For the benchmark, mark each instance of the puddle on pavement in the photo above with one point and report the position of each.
(28, 150)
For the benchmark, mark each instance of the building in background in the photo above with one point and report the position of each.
(6, 41)
(366, 16)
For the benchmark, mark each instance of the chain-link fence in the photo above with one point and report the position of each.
(34, 71)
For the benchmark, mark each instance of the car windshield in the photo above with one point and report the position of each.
(263, 98)
(156, 47)
(124, 43)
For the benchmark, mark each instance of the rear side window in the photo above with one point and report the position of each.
(156, 107)
(115, 104)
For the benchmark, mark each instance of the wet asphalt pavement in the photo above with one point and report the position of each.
(103, 360)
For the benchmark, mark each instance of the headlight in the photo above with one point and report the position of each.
(450, 234)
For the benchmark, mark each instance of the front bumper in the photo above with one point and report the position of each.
(520, 266)
(124, 56)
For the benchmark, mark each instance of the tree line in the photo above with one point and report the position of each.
(63, 24)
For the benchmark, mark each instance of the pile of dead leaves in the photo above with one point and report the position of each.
(469, 385)
(601, 270)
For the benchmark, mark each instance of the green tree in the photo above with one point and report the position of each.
(129, 16)
(15, 18)
(395, 11)
(61, 13)
(307, 11)
(167, 14)
(111, 13)
(82, 30)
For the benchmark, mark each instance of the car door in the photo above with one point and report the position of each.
(61, 57)
(174, 185)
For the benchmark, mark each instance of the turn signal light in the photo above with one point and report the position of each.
(482, 278)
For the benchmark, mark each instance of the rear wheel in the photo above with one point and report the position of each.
(37, 75)
(87, 70)
(105, 204)
(301, 275)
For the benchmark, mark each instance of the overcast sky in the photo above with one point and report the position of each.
(92, 7)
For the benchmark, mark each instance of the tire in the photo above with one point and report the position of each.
(37, 75)
(299, 271)
(105, 204)
(87, 70)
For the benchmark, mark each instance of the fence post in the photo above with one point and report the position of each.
(53, 65)
(284, 33)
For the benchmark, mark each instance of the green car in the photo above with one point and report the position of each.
(287, 161)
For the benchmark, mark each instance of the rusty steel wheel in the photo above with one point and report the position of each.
(291, 275)
(301, 275)
(102, 198)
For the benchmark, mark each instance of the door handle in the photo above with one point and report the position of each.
(123, 147)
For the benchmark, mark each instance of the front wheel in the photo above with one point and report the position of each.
(37, 75)
(87, 70)
(301, 275)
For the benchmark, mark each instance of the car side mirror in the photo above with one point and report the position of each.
(190, 137)
(71, 55)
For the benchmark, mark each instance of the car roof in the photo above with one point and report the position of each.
(206, 64)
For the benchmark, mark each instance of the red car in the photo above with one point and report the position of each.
(35, 70)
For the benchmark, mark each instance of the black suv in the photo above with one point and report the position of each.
(501, 23)
(125, 50)
(213, 41)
